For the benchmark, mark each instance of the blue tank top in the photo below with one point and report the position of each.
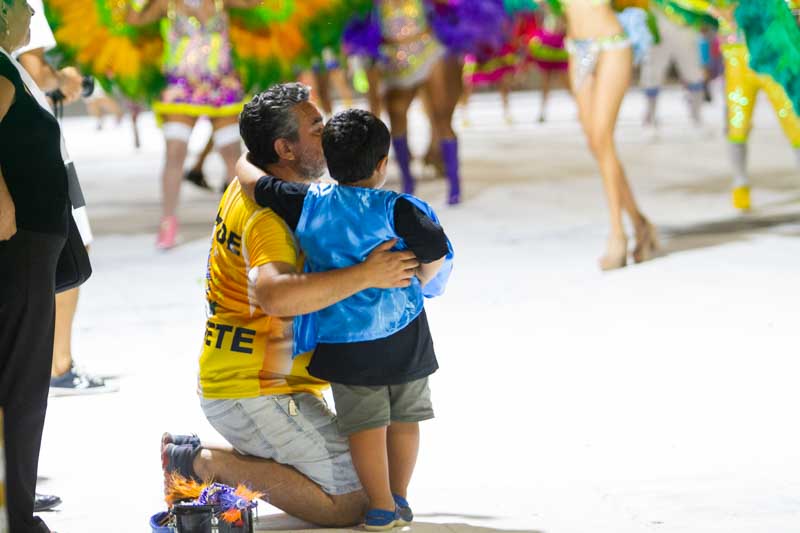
(338, 228)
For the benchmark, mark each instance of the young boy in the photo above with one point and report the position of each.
(374, 347)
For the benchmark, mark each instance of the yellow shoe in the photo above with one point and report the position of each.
(741, 197)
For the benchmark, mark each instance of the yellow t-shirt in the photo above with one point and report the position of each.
(247, 353)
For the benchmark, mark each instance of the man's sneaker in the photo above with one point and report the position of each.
(45, 502)
(404, 513)
(178, 458)
(75, 383)
(169, 438)
(380, 520)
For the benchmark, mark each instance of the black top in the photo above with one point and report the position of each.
(30, 159)
(399, 358)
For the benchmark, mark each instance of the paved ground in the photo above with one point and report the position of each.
(657, 398)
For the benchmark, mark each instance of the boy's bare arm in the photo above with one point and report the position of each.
(428, 271)
(248, 174)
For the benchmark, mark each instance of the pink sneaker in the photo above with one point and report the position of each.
(167, 233)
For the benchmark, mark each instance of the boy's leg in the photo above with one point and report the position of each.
(402, 444)
(411, 404)
(363, 413)
(368, 450)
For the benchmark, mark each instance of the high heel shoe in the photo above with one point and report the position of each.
(616, 254)
(740, 197)
(646, 243)
(167, 233)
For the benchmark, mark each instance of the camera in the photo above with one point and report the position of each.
(87, 88)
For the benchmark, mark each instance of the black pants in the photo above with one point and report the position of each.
(27, 319)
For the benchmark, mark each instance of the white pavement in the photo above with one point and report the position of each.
(661, 397)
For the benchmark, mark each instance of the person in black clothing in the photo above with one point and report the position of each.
(380, 386)
(34, 210)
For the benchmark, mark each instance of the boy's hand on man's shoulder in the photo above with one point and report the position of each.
(384, 269)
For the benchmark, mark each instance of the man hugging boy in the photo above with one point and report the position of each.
(375, 348)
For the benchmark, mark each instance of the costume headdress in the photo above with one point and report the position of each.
(270, 42)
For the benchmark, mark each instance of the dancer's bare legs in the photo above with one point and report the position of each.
(339, 82)
(433, 156)
(599, 99)
(464, 102)
(444, 86)
(505, 96)
(397, 102)
(229, 149)
(374, 93)
(283, 486)
(195, 174)
(137, 143)
(177, 130)
(547, 77)
(173, 166)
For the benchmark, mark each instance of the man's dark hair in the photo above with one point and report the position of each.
(269, 117)
(354, 142)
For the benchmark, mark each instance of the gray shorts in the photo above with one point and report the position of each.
(361, 407)
(297, 430)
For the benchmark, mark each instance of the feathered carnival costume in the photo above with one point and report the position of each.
(221, 503)
(761, 52)
(186, 67)
(408, 38)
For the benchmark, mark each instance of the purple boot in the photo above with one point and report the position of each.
(403, 157)
(450, 157)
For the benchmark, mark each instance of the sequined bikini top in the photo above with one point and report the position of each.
(190, 42)
(402, 20)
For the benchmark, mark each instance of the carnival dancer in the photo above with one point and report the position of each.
(421, 43)
(601, 58)
(415, 58)
(379, 401)
(201, 81)
(200, 62)
(679, 45)
(743, 83)
(547, 52)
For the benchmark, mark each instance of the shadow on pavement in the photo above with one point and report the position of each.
(719, 232)
(286, 523)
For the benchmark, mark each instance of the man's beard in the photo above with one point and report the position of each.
(311, 167)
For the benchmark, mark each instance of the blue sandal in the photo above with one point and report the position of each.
(380, 520)
(404, 513)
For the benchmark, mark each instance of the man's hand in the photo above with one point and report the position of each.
(70, 84)
(8, 218)
(384, 269)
